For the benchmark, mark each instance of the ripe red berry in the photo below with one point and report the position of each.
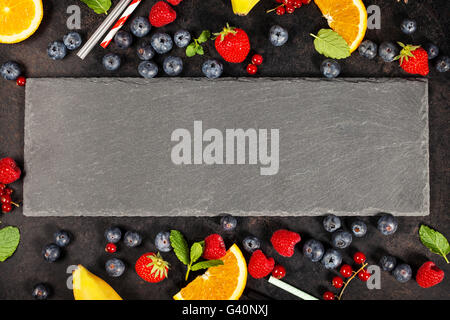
(111, 248)
(328, 295)
(6, 207)
(290, 8)
(8, 191)
(306, 1)
(337, 282)
(257, 59)
(252, 69)
(279, 1)
(297, 4)
(287, 2)
(280, 11)
(5, 199)
(2, 186)
(359, 258)
(278, 272)
(363, 275)
(346, 271)
(21, 81)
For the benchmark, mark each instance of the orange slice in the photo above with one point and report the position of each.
(19, 19)
(346, 17)
(225, 282)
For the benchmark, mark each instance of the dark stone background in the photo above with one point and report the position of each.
(296, 59)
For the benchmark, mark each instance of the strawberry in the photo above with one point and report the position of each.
(284, 242)
(429, 275)
(232, 44)
(259, 265)
(151, 267)
(413, 59)
(9, 171)
(162, 14)
(174, 2)
(214, 247)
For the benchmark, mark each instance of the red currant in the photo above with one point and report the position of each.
(6, 207)
(257, 59)
(8, 191)
(280, 11)
(338, 282)
(346, 271)
(363, 275)
(278, 272)
(2, 186)
(297, 4)
(252, 69)
(328, 295)
(306, 1)
(287, 2)
(111, 248)
(21, 81)
(5, 199)
(359, 258)
(290, 8)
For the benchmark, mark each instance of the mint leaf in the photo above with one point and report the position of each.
(99, 6)
(9, 240)
(199, 50)
(204, 36)
(206, 264)
(435, 241)
(180, 246)
(331, 44)
(197, 251)
(195, 47)
(191, 50)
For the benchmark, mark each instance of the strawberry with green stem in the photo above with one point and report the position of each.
(232, 44)
(413, 59)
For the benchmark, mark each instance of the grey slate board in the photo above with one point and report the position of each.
(102, 146)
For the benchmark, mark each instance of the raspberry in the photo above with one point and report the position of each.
(214, 247)
(429, 275)
(259, 265)
(284, 242)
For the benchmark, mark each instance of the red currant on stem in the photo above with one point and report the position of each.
(359, 258)
(290, 9)
(21, 81)
(252, 69)
(278, 271)
(297, 3)
(306, 1)
(280, 10)
(8, 191)
(346, 271)
(364, 275)
(328, 296)
(257, 59)
(111, 248)
(6, 207)
(338, 282)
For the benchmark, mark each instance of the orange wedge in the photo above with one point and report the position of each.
(19, 19)
(225, 282)
(346, 17)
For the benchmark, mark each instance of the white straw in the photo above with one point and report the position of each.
(292, 290)
(104, 27)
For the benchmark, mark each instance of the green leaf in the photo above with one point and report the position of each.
(204, 36)
(9, 240)
(206, 264)
(180, 246)
(197, 251)
(200, 51)
(99, 6)
(435, 241)
(331, 44)
(190, 50)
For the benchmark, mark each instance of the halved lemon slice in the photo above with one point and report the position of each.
(225, 282)
(19, 19)
(346, 17)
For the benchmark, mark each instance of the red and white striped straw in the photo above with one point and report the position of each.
(124, 17)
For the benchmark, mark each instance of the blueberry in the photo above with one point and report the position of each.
(10, 70)
(148, 69)
(331, 259)
(72, 40)
(113, 234)
(56, 50)
(111, 61)
(331, 223)
(443, 64)
(182, 38)
(173, 65)
(145, 51)
(408, 26)
(40, 291)
(278, 36)
(115, 267)
(313, 250)
(387, 224)
(330, 68)
(62, 238)
(432, 50)
(388, 263)
(359, 228)
(132, 239)
(387, 51)
(162, 241)
(51, 252)
(228, 223)
(161, 42)
(140, 27)
(251, 244)
(402, 273)
(212, 69)
(341, 239)
(123, 39)
(368, 49)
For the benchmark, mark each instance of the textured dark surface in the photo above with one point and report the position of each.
(295, 59)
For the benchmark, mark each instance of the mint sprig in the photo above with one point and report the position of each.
(189, 257)
(435, 241)
(99, 6)
(331, 44)
(9, 240)
(195, 47)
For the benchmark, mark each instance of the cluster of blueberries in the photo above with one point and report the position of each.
(57, 50)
